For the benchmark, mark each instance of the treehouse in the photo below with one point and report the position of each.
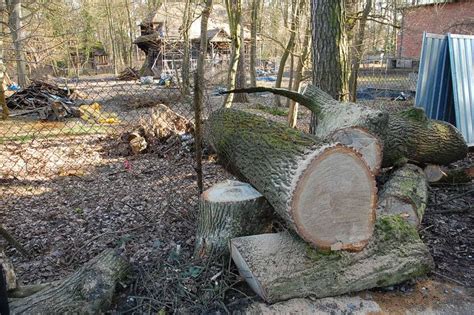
(163, 44)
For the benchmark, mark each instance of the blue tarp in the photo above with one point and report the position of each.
(445, 86)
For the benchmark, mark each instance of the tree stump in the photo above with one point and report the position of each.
(227, 210)
(280, 266)
(87, 291)
(405, 194)
(324, 191)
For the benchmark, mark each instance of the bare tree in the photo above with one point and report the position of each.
(241, 78)
(297, 7)
(199, 89)
(187, 20)
(5, 111)
(255, 20)
(17, 32)
(234, 13)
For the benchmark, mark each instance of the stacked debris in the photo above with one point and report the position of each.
(46, 100)
(128, 74)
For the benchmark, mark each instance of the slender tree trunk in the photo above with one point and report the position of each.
(241, 79)
(16, 29)
(292, 73)
(253, 41)
(298, 6)
(5, 111)
(357, 50)
(234, 12)
(293, 110)
(185, 73)
(199, 90)
(130, 33)
(330, 65)
(111, 34)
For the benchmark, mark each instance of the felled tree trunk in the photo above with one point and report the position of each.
(325, 192)
(438, 174)
(405, 136)
(405, 194)
(87, 291)
(347, 131)
(280, 266)
(227, 210)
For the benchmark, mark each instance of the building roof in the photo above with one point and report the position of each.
(171, 15)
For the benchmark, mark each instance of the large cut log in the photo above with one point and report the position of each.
(406, 136)
(405, 194)
(325, 192)
(280, 266)
(87, 291)
(228, 210)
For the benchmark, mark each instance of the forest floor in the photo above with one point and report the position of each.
(146, 205)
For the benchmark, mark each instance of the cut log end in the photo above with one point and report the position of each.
(227, 210)
(344, 216)
(368, 145)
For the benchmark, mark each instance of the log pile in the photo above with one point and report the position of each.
(46, 100)
(339, 237)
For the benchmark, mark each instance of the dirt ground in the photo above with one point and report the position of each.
(146, 206)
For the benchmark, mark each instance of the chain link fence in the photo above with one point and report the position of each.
(82, 169)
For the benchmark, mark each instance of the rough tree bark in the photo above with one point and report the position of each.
(325, 192)
(227, 210)
(330, 64)
(9, 275)
(343, 129)
(241, 78)
(87, 291)
(405, 194)
(280, 266)
(407, 136)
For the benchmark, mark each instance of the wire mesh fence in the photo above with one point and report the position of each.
(86, 164)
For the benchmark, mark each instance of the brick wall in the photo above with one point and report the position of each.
(456, 18)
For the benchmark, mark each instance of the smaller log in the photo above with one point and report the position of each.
(405, 194)
(281, 266)
(439, 174)
(87, 291)
(227, 210)
(369, 146)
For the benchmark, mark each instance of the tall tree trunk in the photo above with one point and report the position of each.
(297, 8)
(234, 12)
(199, 90)
(17, 33)
(185, 73)
(130, 33)
(253, 41)
(293, 110)
(241, 79)
(111, 34)
(357, 50)
(5, 111)
(330, 65)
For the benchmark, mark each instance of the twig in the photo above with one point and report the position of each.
(448, 278)
(467, 209)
